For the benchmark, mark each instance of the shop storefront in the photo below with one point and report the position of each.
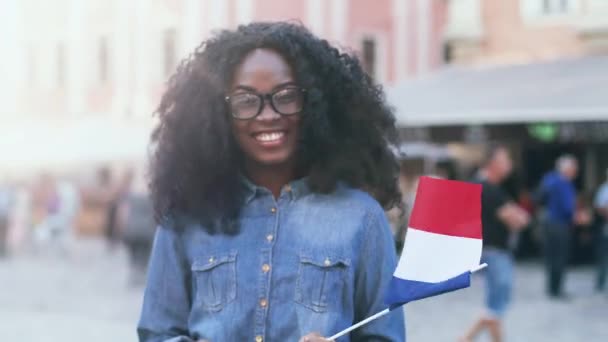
(540, 111)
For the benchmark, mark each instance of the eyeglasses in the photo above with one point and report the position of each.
(247, 105)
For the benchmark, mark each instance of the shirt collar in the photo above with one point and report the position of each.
(295, 189)
(299, 188)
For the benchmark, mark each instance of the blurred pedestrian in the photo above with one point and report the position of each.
(558, 194)
(109, 196)
(6, 200)
(21, 217)
(524, 200)
(69, 205)
(137, 225)
(527, 242)
(62, 202)
(398, 223)
(271, 169)
(501, 217)
(48, 203)
(102, 196)
(601, 205)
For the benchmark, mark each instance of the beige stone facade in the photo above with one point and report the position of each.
(520, 31)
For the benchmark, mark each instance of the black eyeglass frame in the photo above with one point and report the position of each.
(267, 98)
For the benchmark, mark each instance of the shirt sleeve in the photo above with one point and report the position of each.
(601, 199)
(166, 305)
(566, 200)
(374, 272)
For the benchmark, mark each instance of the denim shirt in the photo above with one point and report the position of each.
(305, 262)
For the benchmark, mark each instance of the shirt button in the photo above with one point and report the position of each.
(269, 237)
(327, 262)
(259, 338)
(273, 210)
(265, 268)
(263, 303)
(211, 260)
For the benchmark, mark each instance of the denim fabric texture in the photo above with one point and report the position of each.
(499, 280)
(304, 262)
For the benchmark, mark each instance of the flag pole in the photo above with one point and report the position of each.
(384, 312)
(363, 322)
(479, 268)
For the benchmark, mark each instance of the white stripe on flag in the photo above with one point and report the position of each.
(448, 255)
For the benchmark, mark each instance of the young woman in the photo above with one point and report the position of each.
(271, 170)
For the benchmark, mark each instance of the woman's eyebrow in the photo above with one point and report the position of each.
(284, 84)
(244, 87)
(252, 89)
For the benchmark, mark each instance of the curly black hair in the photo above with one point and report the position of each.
(347, 128)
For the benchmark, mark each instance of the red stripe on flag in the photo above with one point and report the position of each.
(447, 207)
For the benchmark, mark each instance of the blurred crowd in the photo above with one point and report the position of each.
(552, 219)
(49, 213)
(586, 240)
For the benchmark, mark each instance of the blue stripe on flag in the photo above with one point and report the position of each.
(402, 291)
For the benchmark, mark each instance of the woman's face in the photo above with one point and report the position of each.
(268, 139)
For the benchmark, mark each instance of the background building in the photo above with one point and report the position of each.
(84, 76)
(81, 78)
(525, 31)
(529, 73)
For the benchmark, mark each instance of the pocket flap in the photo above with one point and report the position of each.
(212, 261)
(324, 260)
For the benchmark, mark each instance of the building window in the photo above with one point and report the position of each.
(555, 6)
(103, 59)
(169, 56)
(543, 8)
(60, 65)
(368, 53)
(539, 9)
(31, 67)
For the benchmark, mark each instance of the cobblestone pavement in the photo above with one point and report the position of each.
(83, 296)
(532, 316)
(77, 296)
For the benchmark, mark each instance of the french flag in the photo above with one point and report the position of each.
(442, 247)
(443, 243)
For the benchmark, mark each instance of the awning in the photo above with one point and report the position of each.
(47, 144)
(565, 90)
(413, 150)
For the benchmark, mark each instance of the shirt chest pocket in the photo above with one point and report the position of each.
(214, 278)
(321, 281)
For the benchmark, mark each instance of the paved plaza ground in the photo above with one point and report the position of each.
(83, 296)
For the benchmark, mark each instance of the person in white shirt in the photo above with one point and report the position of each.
(601, 205)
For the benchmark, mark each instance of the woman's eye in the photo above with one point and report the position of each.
(286, 96)
(244, 100)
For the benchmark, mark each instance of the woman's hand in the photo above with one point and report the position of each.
(314, 337)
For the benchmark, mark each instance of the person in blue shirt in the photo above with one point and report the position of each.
(270, 175)
(559, 198)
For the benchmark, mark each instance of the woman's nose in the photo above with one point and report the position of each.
(268, 113)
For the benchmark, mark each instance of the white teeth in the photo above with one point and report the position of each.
(267, 137)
